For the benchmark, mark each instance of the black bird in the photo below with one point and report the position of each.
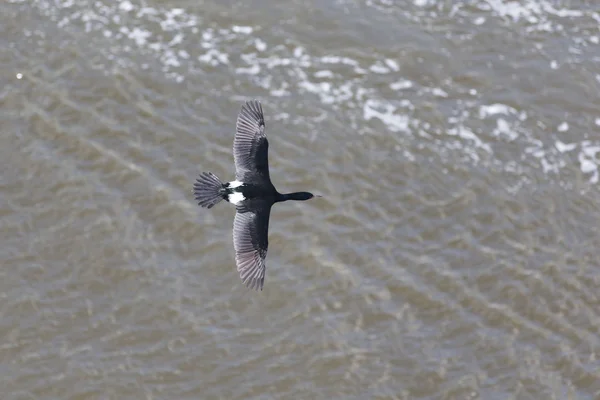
(252, 193)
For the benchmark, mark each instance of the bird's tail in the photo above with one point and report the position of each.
(208, 190)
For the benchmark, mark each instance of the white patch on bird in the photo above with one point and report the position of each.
(235, 198)
(234, 184)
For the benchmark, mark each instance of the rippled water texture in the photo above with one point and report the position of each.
(454, 255)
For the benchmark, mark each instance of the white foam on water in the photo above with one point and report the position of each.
(260, 45)
(139, 36)
(182, 43)
(565, 147)
(253, 70)
(589, 160)
(214, 57)
(421, 3)
(494, 109)
(246, 30)
(385, 112)
(392, 64)
(531, 11)
(378, 68)
(125, 6)
(505, 130)
(563, 127)
(439, 92)
(324, 74)
(465, 133)
(401, 85)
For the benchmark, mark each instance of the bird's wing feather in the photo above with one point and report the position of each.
(250, 146)
(251, 241)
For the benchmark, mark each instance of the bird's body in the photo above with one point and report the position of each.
(251, 192)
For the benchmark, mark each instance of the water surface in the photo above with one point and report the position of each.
(454, 255)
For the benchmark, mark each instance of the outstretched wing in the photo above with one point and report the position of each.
(251, 241)
(250, 146)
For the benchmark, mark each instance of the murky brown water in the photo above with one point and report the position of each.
(455, 255)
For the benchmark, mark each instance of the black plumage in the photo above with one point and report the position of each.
(252, 193)
(251, 147)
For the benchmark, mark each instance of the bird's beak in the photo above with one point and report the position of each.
(318, 195)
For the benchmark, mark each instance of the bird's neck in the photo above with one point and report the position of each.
(291, 196)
